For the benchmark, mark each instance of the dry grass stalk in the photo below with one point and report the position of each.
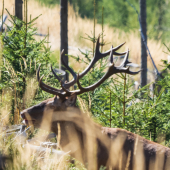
(59, 136)
(128, 160)
(83, 106)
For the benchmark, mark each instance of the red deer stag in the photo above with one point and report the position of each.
(88, 142)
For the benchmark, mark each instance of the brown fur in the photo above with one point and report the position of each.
(95, 145)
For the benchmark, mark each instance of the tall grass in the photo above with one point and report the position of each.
(26, 156)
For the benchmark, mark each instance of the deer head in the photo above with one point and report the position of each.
(64, 97)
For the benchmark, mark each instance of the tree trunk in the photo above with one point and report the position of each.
(18, 9)
(143, 48)
(63, 33)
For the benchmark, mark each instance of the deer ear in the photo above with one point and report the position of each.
(57, 101)
(71, 100)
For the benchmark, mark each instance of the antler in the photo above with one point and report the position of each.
(111, 70)
(46, 87)
(97, 56)
(64, 92)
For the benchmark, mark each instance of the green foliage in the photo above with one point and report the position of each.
(20, 48)
(22, 55)
(83, 6)
(49, 2)
(54, 57)
(116, 13)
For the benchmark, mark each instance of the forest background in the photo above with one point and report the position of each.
(120, 14)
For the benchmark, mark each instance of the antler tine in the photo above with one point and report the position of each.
(68, 68)
(38, 73)
(125, 60)
(111, 70)
(67, 92)
(114, 51)
(97, 56)
(92, 87)
(122, 67)
(56, 76)
(62, 85)
(46, 87)
(41, 84)
(111, 56)
(124, 64)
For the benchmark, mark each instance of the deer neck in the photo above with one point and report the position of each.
(74, 140)
(69, 138)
